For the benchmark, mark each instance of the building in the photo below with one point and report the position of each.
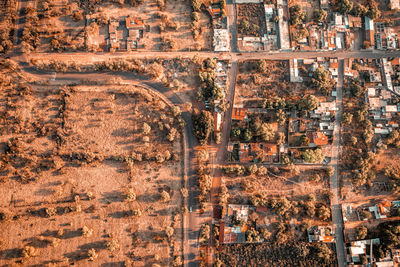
(354, 22)
(317, 139)
(357, 250)
(134, 23)
(394, 4)
(323, 234)
(333, 66)
(221, 40)
(381, 210)
(370, 31)
(239, 114)
(294, 71)
(233, 228)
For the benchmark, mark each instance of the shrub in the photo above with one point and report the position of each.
(28, 252)
(92, 255)
(361, 233)
(165, 197)
(130, 195)
(87, 232)
(112, 245)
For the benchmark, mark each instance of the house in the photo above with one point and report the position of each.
(369, 31)
(381, 210)
(324, 4)
(323, 234)
(294, 71)
(113, 41)
(333, 66)
(394, 4)
(356, 250)
(134, 23)
(217, 122)
(317, 139)
(325, 107)
(354, 22)
(233, 228)
(239, 114)
(221, 40)
(267, 150)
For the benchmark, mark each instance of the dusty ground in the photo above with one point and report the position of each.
(77, 156)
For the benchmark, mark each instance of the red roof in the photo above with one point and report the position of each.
(133, 22)
(239, 114)
(396, 61)
(318, 138)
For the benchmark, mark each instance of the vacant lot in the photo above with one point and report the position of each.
(84, 180)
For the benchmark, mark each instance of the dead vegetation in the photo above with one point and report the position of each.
(78, 152)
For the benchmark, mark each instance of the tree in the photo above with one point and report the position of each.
(266, 132)
(203, 125)
(92, 255)
(313, 156)
(130, 195)
(252, 169)
(169, 231)
(146, 128)
(361, 233)
(235, 132)
(345, 6)
(308, 103)
(373, 10)
(347, 118)
(77, 16)
(165, 197)
(86, 231)
(247, 135)
(321, 78)
(319, 15)
(281, 116)
(28, 252)
(196, 4)
(323, 251)
(324, 213)
(112, 245)
(359, 10)
(297, 15)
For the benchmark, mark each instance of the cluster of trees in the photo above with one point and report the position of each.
(359, 10)
(257, 130)
(167, 23)
(195, 26)
(297, 15)
(9, 14)
(248, 28)
(203, 123)
(319, 15)
(313, 155)
(205, 181)
(393, 173)
(321, 79)
(209, 89)
(168, 43)
(30, 34)
(282, 254)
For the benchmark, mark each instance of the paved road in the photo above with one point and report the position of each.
(337, 217)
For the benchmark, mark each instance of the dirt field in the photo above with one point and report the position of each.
(80, 171)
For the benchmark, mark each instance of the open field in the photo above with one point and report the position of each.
(84, 180)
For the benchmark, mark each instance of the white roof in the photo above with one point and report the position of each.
(369, 24)
(391, 108)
